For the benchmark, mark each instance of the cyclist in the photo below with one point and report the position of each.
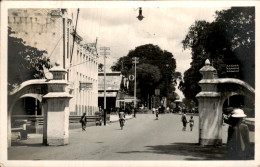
(121, 115)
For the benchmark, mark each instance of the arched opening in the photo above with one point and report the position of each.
(239, 101)
(27, 106)
(26, 118)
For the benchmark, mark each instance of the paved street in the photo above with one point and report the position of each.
(143, 138)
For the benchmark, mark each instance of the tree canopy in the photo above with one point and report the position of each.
(228, 40)
(24, 62)
(155, 70)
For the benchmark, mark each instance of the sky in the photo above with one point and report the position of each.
(119, 29)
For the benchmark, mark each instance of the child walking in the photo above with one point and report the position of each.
(191, 122)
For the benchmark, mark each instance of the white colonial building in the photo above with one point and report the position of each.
(53, 30)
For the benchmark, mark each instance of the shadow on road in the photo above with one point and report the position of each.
(191, 150)
(27, 144)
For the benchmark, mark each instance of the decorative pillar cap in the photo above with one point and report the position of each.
(57, 68)
(58, 72)
(207, 62)
(207, 67)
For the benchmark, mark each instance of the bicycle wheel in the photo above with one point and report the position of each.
(121, 124)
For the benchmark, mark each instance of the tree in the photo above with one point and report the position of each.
(239, 25)
(24, 62)
(148, 77)
(227, 40)
(153, 55)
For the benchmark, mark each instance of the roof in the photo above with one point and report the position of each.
(113, 81)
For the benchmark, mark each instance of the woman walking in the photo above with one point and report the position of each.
(83, 121)
(184, 121)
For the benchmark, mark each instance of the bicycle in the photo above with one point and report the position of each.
(122, 121)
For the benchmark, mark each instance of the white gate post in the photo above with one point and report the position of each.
(56, 131)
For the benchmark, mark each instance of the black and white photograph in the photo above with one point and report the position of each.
(129, 83)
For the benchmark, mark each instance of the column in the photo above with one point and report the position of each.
(56, 124)
(210, 109)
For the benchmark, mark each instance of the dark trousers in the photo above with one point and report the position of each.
(83, 124)
(184, 126)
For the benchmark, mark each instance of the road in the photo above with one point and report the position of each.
(143, 138)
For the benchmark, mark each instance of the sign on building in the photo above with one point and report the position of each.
(86, 85)
(131, 77)
(233, 68)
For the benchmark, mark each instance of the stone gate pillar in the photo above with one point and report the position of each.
(210, 111)
(56, 126)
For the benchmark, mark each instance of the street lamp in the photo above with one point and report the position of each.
(140, 16)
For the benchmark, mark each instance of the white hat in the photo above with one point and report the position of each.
(238, 113)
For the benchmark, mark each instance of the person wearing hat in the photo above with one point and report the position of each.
(238, 136)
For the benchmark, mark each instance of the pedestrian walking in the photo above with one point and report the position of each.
(168, 110)
(156, 113)
(191, 121)
(121, 118)
(184, 121)
(153, 110)
(238, 144)
(83, 121)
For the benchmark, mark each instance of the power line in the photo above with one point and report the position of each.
(77, 64)
(55, 46)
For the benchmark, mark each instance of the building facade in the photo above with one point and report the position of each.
(113, 82)
(52, 30)
(116, 97)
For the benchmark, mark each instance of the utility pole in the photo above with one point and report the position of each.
(105, 53)
(74, 37)
(136, 60)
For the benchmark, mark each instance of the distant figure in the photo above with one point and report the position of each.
(83, 121)
(117, 111)
(238, 143)
(191, 121)
(153, 109)
(121, 115)
(156, 113)
(184, 121)
(159, 109)
(162, 109)
(127, 110)
(167, 109)
(132, 111)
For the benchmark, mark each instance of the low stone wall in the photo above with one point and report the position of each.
(250, 123)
